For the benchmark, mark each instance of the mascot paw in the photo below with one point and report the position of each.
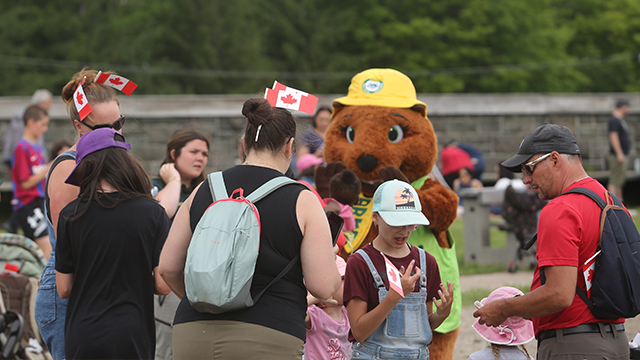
(443, 239)
(392, 173)
(323, 174)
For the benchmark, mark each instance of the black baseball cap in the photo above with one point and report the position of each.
(541, 140)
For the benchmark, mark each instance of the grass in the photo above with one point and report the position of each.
(498, 239)
(470, 296)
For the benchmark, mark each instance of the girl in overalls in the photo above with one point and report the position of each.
(385, 325)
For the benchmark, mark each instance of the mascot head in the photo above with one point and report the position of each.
(380, 123)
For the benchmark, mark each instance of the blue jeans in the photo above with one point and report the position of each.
(50, 311)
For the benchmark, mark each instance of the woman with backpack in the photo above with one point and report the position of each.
(292, 224)
(107, 253)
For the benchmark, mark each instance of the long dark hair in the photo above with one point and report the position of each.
(278, 125)
(178, 141)
(115, 166)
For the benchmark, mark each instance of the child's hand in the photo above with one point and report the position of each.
(446, 299)
(312, 300)
(409, 281)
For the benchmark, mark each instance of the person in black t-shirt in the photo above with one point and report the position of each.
(109, 244)
(292, 223)
(619, 146)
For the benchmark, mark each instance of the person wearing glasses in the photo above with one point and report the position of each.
(50, 309)
(568, 233)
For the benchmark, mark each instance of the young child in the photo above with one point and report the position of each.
(328, 325)
(507, 340)
(345, 191)
(28, 171)
(385, 325)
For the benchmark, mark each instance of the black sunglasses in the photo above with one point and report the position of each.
(117, 125)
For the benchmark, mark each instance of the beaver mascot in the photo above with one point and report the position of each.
(380, 131)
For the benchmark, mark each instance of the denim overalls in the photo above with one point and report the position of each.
(50, 309)
(405, 333)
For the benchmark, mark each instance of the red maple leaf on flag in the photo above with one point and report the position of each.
(392, 274)
(590, 277)
(79, 98)
(116, 81)
(288, 99)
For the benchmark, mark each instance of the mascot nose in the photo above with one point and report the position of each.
(367, 163)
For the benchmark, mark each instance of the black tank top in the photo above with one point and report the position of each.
(283, 306)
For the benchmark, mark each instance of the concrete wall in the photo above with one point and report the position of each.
(494, 123)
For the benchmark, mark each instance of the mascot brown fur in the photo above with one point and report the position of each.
(381, 132)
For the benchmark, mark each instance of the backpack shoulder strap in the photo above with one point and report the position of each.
(271, 186)
(589, 193)
(598, 200)
(216, 186)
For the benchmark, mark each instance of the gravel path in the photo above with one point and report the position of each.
(469, 341)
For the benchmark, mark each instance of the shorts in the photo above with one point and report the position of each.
(227, 339)
(31, 219)
(617, 171)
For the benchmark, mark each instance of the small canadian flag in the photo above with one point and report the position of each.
(117, 82)
(589, 269)
(81, 102)
(394, 276)
(286, 97)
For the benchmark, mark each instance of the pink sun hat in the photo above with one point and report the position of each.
(308, 160)
(513, 331)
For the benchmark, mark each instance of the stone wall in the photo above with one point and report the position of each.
(494, 123)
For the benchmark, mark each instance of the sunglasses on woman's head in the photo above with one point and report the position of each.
(117, 125)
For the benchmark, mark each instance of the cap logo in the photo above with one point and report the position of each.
(404, 199)
(372, 86)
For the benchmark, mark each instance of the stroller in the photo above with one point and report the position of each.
(21, 263)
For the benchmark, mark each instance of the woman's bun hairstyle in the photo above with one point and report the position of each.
(267, 127)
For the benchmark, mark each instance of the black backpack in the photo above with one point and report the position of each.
(615, 288)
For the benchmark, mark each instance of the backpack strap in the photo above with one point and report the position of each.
(216, 186)
(598, 200)
(259, 193)
(275, 279)
(271, 186)
(584, 191)
(589, 193)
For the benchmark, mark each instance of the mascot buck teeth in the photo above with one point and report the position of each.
(380, 131)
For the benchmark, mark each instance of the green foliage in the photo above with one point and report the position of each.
(471, 295)
(202, 47)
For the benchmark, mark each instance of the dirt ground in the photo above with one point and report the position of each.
(469, 341)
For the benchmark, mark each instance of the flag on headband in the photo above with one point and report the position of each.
(81, 102)
(589, 268)
(394, 276)
(286, 97)
(117, 82)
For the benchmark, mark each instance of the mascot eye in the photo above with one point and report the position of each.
(351, 134)
(396, 133)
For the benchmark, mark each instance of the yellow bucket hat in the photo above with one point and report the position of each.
(381, 87)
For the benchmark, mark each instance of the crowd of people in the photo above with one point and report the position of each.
(117, 239)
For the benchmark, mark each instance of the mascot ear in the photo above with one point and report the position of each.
(419, 108)
(336, 108)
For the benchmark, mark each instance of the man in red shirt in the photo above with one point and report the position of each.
(568, 232)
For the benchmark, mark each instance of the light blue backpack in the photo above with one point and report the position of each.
(222, 255)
